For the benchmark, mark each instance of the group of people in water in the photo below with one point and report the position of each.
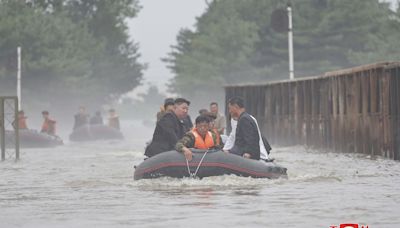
(80, 119)
(174, 131)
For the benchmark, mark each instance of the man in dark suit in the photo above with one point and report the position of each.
(169, 129)
(248, 141)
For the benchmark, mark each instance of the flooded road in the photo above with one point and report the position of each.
(91, 185)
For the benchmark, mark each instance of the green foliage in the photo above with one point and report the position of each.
(52, 47)
(75, 51)
(222, 45)
(234, 42)
(339, 34)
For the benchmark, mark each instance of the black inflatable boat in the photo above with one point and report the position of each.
(95, 132)
(206, 164)
(33, 139)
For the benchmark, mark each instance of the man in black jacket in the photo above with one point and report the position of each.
(169, 129)
(81, 118)
(247, 140)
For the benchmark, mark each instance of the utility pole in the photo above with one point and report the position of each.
(290, 40)
(19, 78)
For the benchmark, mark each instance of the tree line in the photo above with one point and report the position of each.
(79, 52)
(234, 41)
(74, 52)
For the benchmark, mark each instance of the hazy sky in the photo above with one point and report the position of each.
(156, 28)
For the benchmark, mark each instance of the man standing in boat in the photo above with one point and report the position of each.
(22, 120)
(49, 125)
(113, 119)
(220, 121)
(97, 119)
(81, 118)
(248, 141)
(212, 117)
(199, 137)
(169, 129)
(167, 107)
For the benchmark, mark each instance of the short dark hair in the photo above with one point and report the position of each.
(111, 110)
(237, 101)
(214, 103)
(21, 112)
(202, 111)
(45, 112)
(168, 101)
(202, 119)
(180, 100)
(210, 115)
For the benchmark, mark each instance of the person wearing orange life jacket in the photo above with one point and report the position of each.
(49, 125)
(199, 137)
(22, 120)
(213, 128)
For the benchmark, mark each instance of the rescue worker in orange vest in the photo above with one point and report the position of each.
(212, 128)
(22, 120)
(49, 125)
(199, 138)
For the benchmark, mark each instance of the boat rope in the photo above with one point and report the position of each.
(187, 165)
(198, 166)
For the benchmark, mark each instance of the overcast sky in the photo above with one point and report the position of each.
(156, 28)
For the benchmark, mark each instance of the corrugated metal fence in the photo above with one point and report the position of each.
(352, 110)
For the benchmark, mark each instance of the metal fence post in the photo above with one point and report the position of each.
(2, 130)
(16, 127)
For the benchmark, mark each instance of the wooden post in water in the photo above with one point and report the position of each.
(290, 40)
(2, 131)
(16, 127)
(19, 79)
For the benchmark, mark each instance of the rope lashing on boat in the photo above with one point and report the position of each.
(193, 175)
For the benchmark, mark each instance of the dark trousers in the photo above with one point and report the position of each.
(236, 150)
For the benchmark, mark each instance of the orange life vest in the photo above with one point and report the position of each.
(49, 126)
(200, 143)
(22, 123)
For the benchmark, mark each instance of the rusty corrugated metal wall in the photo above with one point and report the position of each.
(352, 110)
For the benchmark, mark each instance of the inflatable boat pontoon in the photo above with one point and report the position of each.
(29, 138)
(205, 164)
(95, 132)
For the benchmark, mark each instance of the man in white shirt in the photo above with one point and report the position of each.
(230, 143)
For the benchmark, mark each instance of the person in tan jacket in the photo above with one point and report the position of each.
(113, 119)
(220, 121)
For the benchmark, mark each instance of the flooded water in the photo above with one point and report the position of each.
(91, 185)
